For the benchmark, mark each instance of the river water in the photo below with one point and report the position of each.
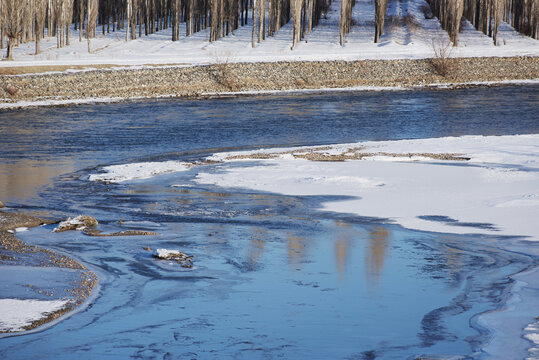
(273, 276)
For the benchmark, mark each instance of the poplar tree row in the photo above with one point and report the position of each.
(487, 15)
(26, 20)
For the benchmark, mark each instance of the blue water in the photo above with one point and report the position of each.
(273, 277)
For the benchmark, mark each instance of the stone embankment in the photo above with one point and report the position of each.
(159, 81)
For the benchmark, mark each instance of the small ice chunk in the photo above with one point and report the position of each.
(184, 260)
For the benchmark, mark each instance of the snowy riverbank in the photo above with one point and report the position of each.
(153, 66)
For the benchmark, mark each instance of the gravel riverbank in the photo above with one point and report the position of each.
(178, 81)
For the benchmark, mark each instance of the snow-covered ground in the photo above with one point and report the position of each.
(399, 41)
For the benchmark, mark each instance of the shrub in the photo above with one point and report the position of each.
(442, 62)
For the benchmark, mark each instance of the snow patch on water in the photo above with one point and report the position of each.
(134, 171)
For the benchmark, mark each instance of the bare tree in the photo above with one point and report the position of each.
(296, 14)
(92, 6)
(254, 16)
(129, 10)
(497, 12)
(486, 16)
(346, 19)
(449, 12)
(175, 11)
(2, 21)
(214, 19)
(27, 32)
(262, 17)
(133, 18)
(81, 18)
(40, 7)
(380, 9)
(67, 19)
(13, 12)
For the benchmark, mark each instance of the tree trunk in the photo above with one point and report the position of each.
(128, 10)
(253, 35)
(10, 46)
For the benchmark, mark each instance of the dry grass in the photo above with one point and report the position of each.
(99, 233)
(20, 70)
(357, 153)
(222, 70)
(223, 73)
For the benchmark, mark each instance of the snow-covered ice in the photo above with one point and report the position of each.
(496, 192)
(16, 314)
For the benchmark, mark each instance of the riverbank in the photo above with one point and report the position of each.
(41, 304)
(106, 84)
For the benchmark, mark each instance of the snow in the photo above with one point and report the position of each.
(496, 192)
(21, 229)
(20, 104)
(134, 171)
(400, 41)
(531, 333)
(15, 314)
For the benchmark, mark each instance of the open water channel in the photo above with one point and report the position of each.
(274, 277)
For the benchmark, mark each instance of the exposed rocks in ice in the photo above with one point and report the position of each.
(93, 232)
(184, 260)
(80, 222)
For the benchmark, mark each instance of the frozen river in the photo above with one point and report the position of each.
(274, 277)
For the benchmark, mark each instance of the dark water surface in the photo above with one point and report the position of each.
(40, 143)
(274, 278)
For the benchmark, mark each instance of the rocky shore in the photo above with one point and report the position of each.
(193, 81)
(14, 252)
